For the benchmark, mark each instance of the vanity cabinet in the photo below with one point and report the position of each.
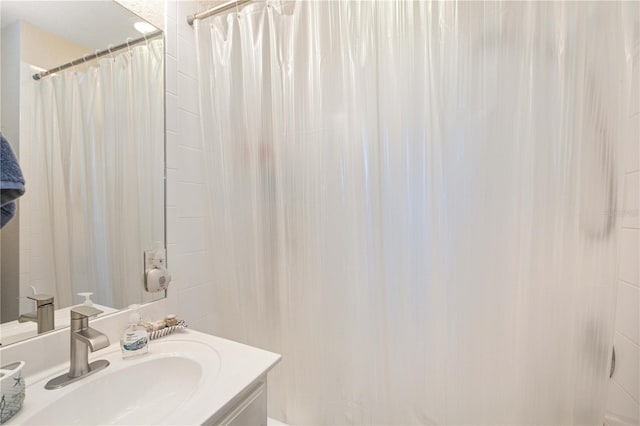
(247, 408)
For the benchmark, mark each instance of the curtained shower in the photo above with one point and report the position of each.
(414, 203)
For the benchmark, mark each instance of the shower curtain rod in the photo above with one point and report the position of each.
(39, 75)
(216, 9)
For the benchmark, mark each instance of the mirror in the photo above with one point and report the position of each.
(89, 141)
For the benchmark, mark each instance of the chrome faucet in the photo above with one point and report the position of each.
(43, 315)
(83, 338)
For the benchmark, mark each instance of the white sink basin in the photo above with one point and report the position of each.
(180, 381)
(128, 398)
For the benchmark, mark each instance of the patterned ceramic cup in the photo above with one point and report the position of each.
(12, 387)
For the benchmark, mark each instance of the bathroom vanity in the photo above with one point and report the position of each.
(187, 377)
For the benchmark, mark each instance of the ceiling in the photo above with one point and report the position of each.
(95, 24)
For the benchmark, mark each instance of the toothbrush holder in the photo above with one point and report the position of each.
(12, 388)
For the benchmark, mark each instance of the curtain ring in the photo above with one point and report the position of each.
(147, 39)
(109, 46)
(128, 45)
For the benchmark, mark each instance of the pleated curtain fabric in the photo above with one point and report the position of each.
(414, 203)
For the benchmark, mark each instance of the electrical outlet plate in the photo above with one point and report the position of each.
(154, 259)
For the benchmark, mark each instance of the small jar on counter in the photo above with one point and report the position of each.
(171, 320)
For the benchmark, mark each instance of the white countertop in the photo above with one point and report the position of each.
(233, 368)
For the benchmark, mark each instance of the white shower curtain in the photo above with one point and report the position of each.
(413, 202)
(96, 190)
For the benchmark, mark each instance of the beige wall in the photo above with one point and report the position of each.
(22, 41)
(46, 50)
(10, 75)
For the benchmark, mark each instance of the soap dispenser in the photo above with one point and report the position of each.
(135, 337)
(87, 298)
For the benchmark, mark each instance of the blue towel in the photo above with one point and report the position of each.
(11, 182)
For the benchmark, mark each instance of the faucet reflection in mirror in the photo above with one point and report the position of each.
(43, 315)
(95, 186)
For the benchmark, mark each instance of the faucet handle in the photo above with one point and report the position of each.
(84, 311)
(41, 299)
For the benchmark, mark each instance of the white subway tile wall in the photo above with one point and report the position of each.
(190, 127)
(172, 147)
(624, 394)
(631, 200)
(628, 312)
(629, 269)
(187, 89)
(171, 104)
(621, 404)
(187, 52)
(627, 365)
(191, 200)
(190, 292)
(172, 75)
(631, 159)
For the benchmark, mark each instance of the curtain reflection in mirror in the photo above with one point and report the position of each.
(94, 154)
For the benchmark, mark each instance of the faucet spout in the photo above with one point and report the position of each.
(28, 317)
(92, 338)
